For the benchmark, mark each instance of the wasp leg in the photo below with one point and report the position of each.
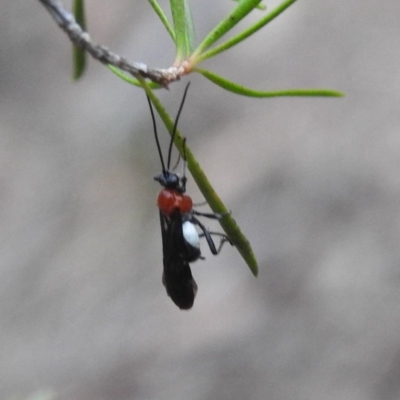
(211, 215)
(177, 163)
(201, 204)
(224, 239)
(207, 234)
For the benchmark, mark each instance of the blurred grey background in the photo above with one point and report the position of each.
(314, 183)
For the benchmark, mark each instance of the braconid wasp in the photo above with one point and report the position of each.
(180, 239)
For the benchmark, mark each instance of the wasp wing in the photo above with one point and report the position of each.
(177, 276)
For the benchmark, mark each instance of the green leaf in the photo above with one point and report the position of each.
(130, 79)
(259, 7)
(79, 55)
(246, 33)
(184, 30)
(242, 90)
(243, 8)
(227, 222)
(163, 18)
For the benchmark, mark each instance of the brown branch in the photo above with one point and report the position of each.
(81, 38)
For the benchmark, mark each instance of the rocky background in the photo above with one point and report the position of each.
(314, 183)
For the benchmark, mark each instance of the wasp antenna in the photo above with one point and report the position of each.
(184, 166)
(156, 135)
(176, 125)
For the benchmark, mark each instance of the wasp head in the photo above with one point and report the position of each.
(170, 180)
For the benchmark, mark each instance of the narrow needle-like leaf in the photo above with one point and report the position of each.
(184, 31)
(236, 15)
(79, 55)
(259, 7)
(242, 90)
(130, 79)
(159, 11)
(246, 33)
(227, 222)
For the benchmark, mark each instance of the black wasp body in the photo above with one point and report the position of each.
(180, 239)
